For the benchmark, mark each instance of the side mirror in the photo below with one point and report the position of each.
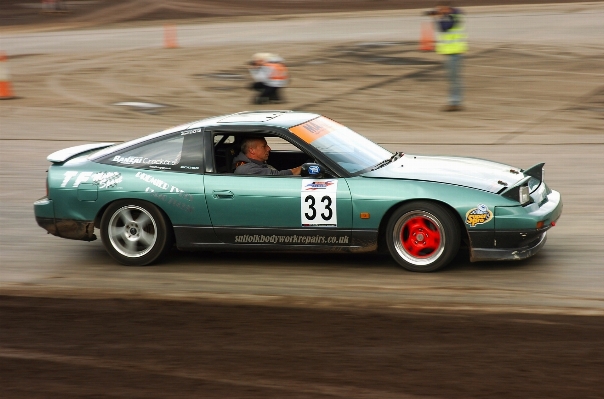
(312, 170)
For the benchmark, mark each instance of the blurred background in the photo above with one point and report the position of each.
(275, 325)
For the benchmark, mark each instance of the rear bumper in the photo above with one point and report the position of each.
(64, 228)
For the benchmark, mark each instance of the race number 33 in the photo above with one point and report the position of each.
(319, 202)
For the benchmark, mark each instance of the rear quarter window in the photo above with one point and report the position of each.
(178, 153)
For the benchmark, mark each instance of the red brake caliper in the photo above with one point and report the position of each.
(420, 237)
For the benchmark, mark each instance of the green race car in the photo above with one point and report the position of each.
(178, 187)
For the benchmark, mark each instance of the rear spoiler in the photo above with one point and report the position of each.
(67, 153)
(535, 171)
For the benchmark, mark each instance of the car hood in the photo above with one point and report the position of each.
(468, 172)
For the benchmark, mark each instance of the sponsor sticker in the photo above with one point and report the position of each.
(70, 174)
(314, 170)
(318, 185)
(190, 131)
(318, 202)
(171, 200)
(290, 239)
(479, 215)
(107, 179)
(141, 160)
(157, 183)
(101, 179)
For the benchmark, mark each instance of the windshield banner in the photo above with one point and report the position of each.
(312, 130)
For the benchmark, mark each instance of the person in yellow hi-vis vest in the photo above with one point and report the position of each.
(452, 42)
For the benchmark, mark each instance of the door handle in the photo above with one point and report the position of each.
(223, 194)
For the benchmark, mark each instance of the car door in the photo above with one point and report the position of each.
(279, 210)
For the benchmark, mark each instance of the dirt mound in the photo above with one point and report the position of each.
(101, 12)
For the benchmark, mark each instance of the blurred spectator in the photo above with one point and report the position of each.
(53, 5)
(452, 42)
(270, 75)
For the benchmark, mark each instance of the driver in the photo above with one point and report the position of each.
(252, 159)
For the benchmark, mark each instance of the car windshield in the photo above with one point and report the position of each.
(347, 148)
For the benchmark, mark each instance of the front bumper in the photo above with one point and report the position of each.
(492, 254)
(515, 236)
(64, 228)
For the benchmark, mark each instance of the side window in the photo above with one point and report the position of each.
(164, 155)
(177, 153)
(227, 146)
(223, 139)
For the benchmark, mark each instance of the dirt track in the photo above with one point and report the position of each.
(53, 348)
(103, 12)
(75, 324)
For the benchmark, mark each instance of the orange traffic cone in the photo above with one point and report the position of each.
(170, 36)
(426, 39)
(6, 89)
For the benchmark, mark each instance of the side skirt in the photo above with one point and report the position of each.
(279, 239)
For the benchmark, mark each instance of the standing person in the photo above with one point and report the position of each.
(452, 42)
(270, 75)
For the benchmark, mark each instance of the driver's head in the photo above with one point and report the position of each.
(256, 148)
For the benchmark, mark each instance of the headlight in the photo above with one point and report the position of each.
(533, 179)
(519, 193)
(523, 195)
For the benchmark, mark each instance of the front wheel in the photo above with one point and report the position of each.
(423, 236)
(135, 233)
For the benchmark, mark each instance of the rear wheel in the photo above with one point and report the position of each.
(135, 233)
(423, 236)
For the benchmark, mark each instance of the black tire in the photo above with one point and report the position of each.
(135, 233)
(423, 236)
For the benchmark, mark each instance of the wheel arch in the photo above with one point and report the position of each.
(382, 245)
(101, 212)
